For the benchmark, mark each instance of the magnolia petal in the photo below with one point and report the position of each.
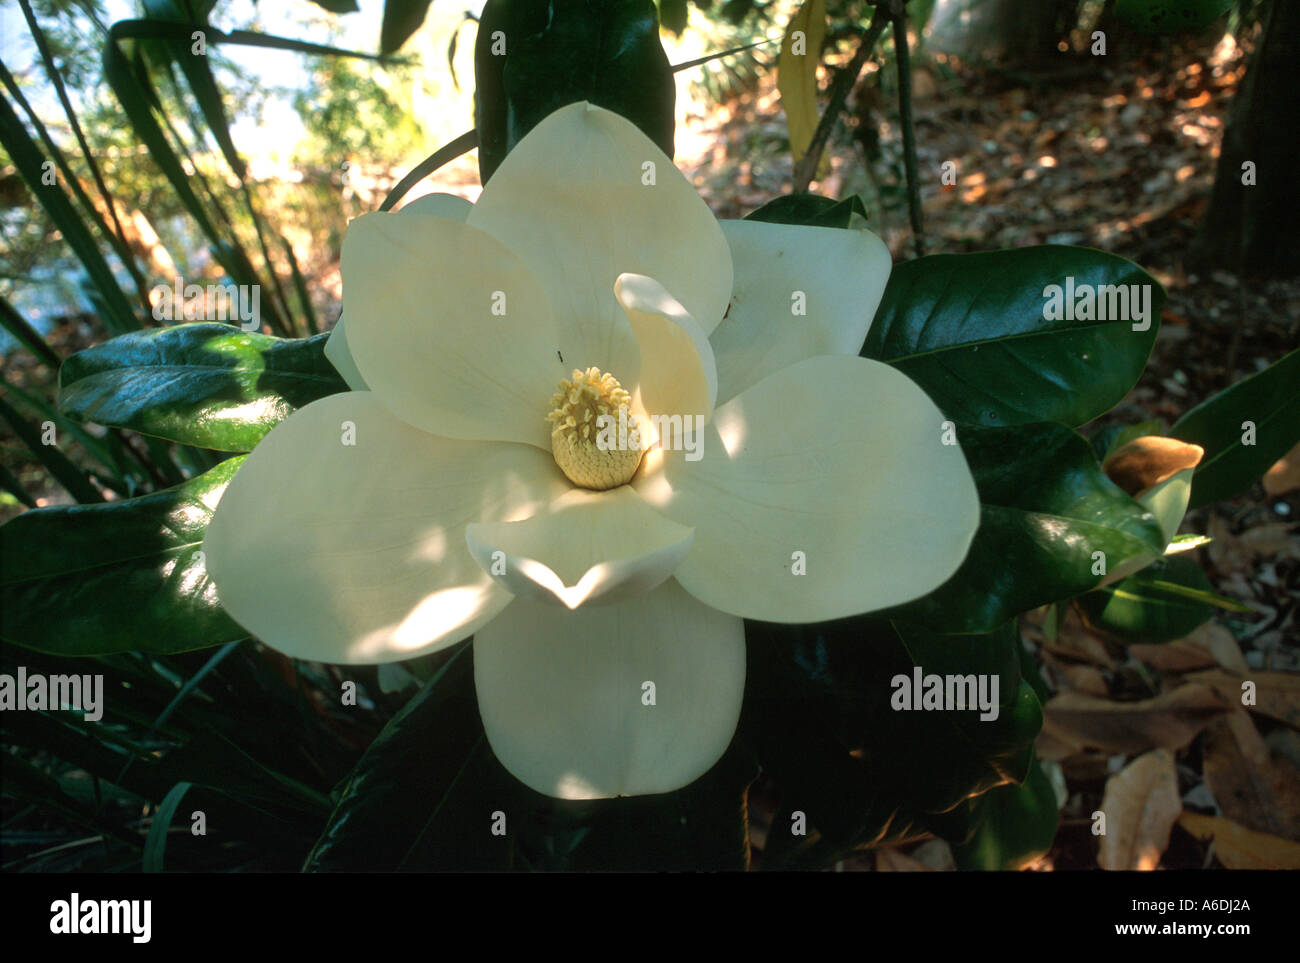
(1167, 501)
(823, 491)
(836, 276)
(678, 376)
(563, 694)
(586, 547)
(341, 538)
(450, 329)
(572, 200)
(450, 206)
(339, 355)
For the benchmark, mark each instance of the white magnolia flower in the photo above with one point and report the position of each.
(427, 506)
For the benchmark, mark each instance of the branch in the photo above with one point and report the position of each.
(844, 81)
(899, 15)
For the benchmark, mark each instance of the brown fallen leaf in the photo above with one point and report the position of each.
(1073, 641)
(892, 861)
(1179, 656)
(1077, 678)
(1251, 785)
(1220, 643)
(1277, 694)
(1141, 805)
(1284, 476)
(1148, 461)
(1170, 720)
(1240, 848)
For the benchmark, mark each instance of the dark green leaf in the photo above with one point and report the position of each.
(62, 468)
(1140, 608)
(401, 19)
(125, 575)
(1170, 16)
(210, 385)
(1046, 508)
(604, 52)
(810, 209)
(820, 714)
(971, 329)
(1270, 402)
(1016, 825)
(155, 844)
(673, 14)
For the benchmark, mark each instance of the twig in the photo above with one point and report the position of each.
(807, 166)
(901, 57)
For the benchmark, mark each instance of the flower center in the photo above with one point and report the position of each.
(594, 437)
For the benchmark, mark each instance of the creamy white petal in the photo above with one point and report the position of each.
(563, 695)
(449, 206)
(1167, 501)
(834, 468)
(342, 537)
(450, 329)
(678, 376)
(573, 200)
(836, 277)
(339, 355)
(587, 547)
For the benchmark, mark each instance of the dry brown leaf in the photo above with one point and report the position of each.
(1077, 678)
(1276, 540)
(1148, 461)
(1180, 656)
(1240, 848)
(1141, 804)
(1284, 476)
(1170, 720)
(1075, 642)
(1251, 785)
(1277, 694)
(1221, 644)
(892, 861)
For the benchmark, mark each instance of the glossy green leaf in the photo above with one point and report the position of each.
(1146, 606)
(1046, 508)
(972, 331)
(810, 209)
(155, 844)
(1016, 825)
(1170, 16)
(562, 52)
(1243, 430)
(126, 575)
(401, 19)
(820, 714)
(210, 385)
